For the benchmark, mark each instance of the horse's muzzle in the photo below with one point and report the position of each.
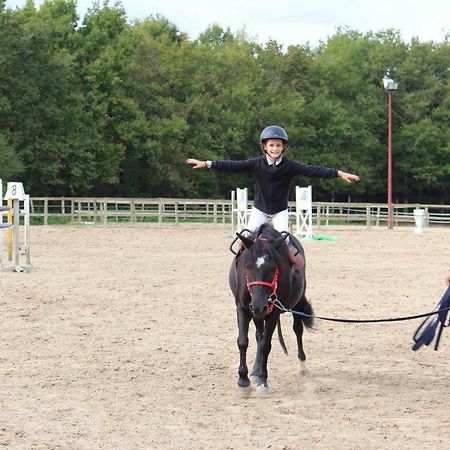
(258, 311)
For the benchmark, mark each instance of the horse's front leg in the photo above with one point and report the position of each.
(243, 319)
(266, 346)
(259, 325)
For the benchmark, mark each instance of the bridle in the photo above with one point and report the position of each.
(272, 284)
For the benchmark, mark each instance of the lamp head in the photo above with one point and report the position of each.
(388, 83)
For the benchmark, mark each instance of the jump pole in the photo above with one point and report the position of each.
(26, 223)
(9, 232)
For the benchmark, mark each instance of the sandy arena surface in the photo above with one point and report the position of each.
(125, 338)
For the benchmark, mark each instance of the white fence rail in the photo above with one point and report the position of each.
(176, 210)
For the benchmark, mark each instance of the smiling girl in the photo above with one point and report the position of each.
(273, 174)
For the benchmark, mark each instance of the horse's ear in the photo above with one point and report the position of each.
(245, 240)
(277, 242)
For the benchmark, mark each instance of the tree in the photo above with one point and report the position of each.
(112, 107)
(11, 166)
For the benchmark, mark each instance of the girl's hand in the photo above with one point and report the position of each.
(196, 164)
(348, 177)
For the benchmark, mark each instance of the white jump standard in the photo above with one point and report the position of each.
(303, 212)
(239, 210)
(14, 195)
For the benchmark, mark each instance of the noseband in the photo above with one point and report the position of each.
(272, 284)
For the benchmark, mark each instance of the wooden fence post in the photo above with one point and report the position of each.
(160, 211)
(72, 210)
(105, 212)
(318, 214)
(368, 218)
(45, 211)
(94, 209)
(133, 211)
(177, 221)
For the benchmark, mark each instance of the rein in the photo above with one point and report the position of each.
(280, 306)
(424, 334)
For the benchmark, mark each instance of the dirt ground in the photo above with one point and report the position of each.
(125, 338)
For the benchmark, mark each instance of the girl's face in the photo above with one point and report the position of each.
(274, 148)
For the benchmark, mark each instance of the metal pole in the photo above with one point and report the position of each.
(389, 196)
(26, 222)
(232, 211)
(9, 232)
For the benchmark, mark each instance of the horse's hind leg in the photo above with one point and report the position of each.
(300, 322)
(298, 330)
(259, 324)
(243, 318)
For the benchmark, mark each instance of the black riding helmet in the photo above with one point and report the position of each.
(273, 132)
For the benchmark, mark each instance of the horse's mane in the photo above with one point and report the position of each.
(262, 245)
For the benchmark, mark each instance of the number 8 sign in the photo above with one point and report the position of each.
(15, 191)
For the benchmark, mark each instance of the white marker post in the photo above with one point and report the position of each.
(419, 219)
(303, 212)
(242, 208)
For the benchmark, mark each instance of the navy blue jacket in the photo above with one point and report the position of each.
(272, 183)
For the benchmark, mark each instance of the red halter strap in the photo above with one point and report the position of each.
(272, 284)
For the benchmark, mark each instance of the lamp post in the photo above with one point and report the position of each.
(390, 86)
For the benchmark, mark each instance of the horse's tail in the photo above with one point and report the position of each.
(306, 307)
(281, 338)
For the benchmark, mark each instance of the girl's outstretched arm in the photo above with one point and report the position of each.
(348, 177)
(197, 164)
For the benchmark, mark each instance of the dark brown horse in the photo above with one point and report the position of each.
(260, 274)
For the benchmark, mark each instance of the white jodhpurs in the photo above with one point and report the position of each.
(280, 221)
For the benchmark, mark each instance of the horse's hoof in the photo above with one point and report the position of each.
(243, 382)
(303, 369)
(262, 389)
(245, 391)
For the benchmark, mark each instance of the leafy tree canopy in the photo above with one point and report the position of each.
(101, 105)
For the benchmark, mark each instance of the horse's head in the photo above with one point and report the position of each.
(262, 269)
